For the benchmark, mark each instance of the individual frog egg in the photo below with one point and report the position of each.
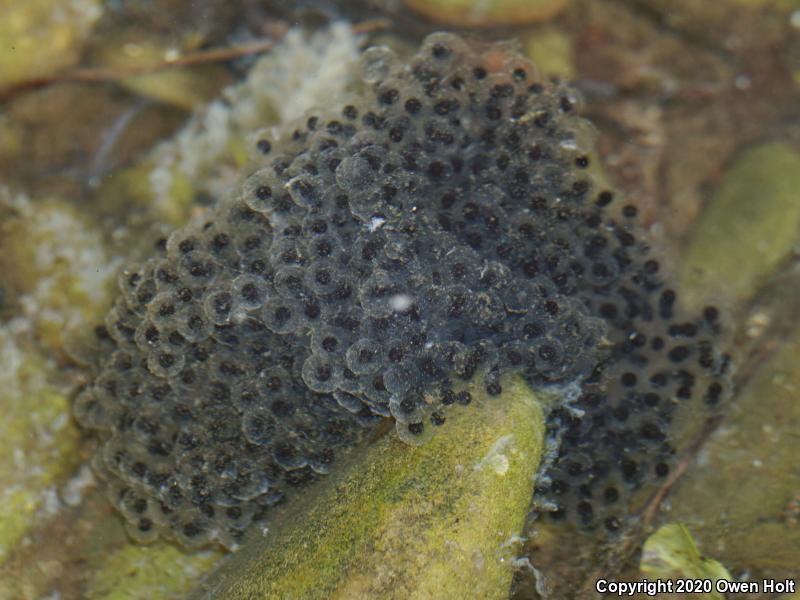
(249, 292)
(163, 361)
(220, 305)
(197, 270)
(414, 434)
(91, 412)
(259, 426)
(281, 315)
(322, 277)
(288, 455)
(365, 356)
(258, 191)
(192, 323)
(130, 279)
(376, 63)
(408, 408)
(162, 308)
(183, 242)
(319, 374)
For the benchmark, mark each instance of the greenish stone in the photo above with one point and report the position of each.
(671, 553)
(437, 520)
(749, 227)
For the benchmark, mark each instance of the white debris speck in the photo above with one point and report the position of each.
(542, 586)
(376, 223)
(569, 144)
(72, 492)
(742, 82)
(497, 457)
(59, 422)
(50, 503)
(794, 19)
(401, 302)
(513, 540)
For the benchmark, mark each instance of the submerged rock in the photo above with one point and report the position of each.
(437, 521)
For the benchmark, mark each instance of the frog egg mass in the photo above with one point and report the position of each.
(441, 228)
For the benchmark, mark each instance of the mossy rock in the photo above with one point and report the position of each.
(437, 520)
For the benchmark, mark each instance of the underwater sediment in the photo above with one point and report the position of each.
(439, 228)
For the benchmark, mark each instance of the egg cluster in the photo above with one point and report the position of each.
(440, 228)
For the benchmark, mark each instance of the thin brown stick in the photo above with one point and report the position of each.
(214, 55)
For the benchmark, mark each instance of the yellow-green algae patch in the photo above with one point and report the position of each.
(56, 267)
(157, 571)
(671, 553)
(437, 520)
(738, 497)
(40, 37)
(56, 262)
(750, 225)
(38, 439)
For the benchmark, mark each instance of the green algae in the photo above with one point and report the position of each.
(671, 553)
(46, 255)
(57, 263)
(39, 439)
(39, 38)
(447, 513)
(750, 226)
(157, 571)
(437, 520)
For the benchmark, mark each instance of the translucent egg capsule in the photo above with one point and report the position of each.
(249, 291)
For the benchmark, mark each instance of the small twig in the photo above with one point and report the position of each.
(214, 55)
(105, 74)
(372, 25)
(650, 511)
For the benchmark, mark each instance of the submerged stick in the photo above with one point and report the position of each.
(437, 520)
